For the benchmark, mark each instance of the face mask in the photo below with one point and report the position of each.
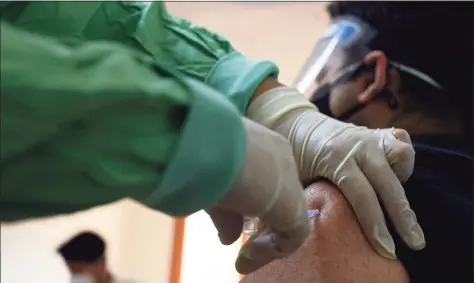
(346, 35)
(82, 278)
(321, 97)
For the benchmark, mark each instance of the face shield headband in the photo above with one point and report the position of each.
(349, 36)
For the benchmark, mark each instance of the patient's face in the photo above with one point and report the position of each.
(337, 250)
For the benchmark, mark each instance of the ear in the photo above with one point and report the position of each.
(380, 62)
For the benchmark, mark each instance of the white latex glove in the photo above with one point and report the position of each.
(268, 187)
(365, 164)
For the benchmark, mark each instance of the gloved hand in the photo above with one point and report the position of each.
(268, 187)
(365, 164)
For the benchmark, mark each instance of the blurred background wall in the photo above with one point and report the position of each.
(139, 244)
(140, 241)
(284, 32)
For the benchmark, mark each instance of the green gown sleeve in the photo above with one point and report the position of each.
(175, 42)
(148, 27)
(87, 125)
(202, 54)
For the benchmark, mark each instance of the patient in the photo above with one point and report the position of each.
(416, 75)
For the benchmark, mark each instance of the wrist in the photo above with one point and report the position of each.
(273, 105)
(239, 78)
(266, 85)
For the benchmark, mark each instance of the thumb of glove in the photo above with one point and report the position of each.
(228, 223)
(268, 187)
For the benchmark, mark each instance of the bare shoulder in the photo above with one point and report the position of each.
(337, 250)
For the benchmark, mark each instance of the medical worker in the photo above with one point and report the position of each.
(106, 100)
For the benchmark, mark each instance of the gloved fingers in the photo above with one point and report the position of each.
(393, 197)
(228, 223)
(258, 251)
(268, 245)
(401, 135)
(399, 152)
(360, 194)
(282, 230)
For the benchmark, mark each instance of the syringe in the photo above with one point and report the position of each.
(251, 224)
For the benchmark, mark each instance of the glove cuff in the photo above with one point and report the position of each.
(271, 106)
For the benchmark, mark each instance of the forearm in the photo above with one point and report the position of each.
(267, 84)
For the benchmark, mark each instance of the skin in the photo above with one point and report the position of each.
(336, 252)
(266, 85)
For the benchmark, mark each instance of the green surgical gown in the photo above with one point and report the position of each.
(106, 100)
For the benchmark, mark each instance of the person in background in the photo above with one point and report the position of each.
(408, 65)
(85, 257)
(106, 100)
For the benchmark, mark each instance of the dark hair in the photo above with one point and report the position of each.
(85, 247)
(435, 38)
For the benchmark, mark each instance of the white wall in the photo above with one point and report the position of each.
(147, 242)
(28, 249)
(204, 258)
(138, 240)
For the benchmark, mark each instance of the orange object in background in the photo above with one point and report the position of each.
(177, 251)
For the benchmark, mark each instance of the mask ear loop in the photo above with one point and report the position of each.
(386, 94)
(323, 92)
(392, 102)
(389, 96)
(350, 73)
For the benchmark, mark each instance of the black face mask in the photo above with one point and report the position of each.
(321, 97)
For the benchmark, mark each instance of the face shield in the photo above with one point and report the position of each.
(342, 47)
(346, 35)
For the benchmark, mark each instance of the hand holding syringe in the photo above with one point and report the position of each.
(251, 225)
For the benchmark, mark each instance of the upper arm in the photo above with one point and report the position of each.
(99, 122)
(337, 250)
